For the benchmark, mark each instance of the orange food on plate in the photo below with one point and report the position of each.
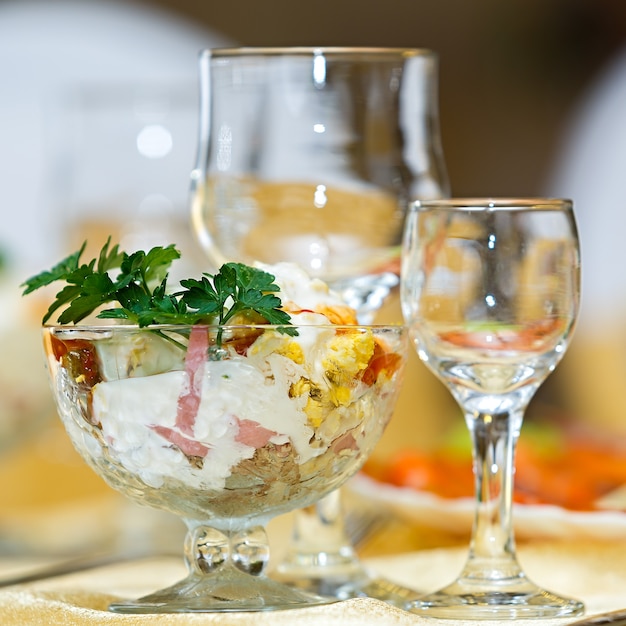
(568, 469)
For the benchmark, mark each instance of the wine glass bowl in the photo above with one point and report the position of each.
(490, 293)
(225, 427)
(311, 155)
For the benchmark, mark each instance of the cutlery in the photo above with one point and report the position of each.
(68, 566)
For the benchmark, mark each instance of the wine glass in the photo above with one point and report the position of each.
(490, 293)
(225, 427)
(312, 155)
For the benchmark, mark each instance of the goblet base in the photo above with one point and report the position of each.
(323, 561)
(509, 599)
(230, 590)
(344, 582)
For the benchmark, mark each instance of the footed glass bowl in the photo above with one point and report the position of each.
(225, 427)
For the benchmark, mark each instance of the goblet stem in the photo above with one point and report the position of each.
(321, 556)
(322, 560)
(492, 585)
(226, 573)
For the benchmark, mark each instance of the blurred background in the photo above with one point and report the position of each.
(98, 111)
(511, 73)
(512, 76)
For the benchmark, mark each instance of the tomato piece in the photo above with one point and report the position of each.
(381, 360)
(80, 358)
(243, 339)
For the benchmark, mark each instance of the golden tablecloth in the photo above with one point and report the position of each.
(593, 572)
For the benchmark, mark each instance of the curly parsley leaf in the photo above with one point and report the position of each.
(89, 286)
(60, 271)
(140, 292)
(237, 289)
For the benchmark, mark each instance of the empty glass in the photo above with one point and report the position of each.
(312, 155)
(490, 293)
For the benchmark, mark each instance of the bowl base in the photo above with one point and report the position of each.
(231, 590)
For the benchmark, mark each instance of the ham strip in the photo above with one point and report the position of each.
(195, 359)
(188, 447)
(344, 442)
(250, 433)
(253, 434)
(189, 400)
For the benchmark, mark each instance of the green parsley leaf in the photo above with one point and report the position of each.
(140, 294)
(59, 272)
(237, 289)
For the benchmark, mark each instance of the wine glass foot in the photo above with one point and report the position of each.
(385, 590)
(503, 600)
(356, 582)
(230, 590)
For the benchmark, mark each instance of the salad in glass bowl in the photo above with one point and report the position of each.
(242, 395)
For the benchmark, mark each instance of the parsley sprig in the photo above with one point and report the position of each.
(246, 288)
(140, 292)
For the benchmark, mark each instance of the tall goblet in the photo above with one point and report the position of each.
(490, 293)
(312, 155)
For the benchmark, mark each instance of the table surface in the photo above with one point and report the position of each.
(594, 572)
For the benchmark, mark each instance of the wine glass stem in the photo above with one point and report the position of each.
(319, 537)
(492, 547)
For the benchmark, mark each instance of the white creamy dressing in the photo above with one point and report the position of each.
(232, 389)
(297, 287)
(254, 388)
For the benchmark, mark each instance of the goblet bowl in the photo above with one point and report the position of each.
(226, 427)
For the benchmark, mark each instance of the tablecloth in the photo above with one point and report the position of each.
(594, 572)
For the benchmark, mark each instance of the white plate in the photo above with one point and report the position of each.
(456, 516)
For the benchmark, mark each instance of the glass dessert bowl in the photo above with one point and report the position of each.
(226, 427)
